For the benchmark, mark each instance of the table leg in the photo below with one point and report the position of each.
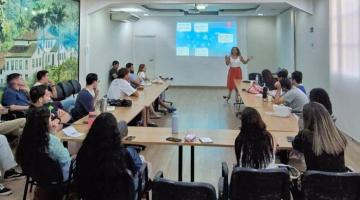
(192, 163)
(144, 116)
(180, 163)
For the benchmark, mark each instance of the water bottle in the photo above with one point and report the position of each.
(264, 94)
(174, 124)
(103, 105)
(91, 118)
(257, 79)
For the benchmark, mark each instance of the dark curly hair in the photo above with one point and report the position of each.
(102, 162)
(35, 137)
(254, 144)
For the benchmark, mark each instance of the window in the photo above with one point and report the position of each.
(345, 38)
(16, 64)
(7, 65)
(33, 63)
(26, 65)
(37, 62)
(12, 65)
(26, 77)
(21, 64)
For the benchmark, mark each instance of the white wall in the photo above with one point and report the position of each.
(285, 40)
(261, 43)
(108, 41)
(312, 49)
(345, 64)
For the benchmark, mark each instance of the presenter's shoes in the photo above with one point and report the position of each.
(4, 191)
(226, 98)
(171, 110)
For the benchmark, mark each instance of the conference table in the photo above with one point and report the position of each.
(280, 128)
(158, 135)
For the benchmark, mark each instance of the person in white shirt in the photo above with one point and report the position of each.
(121, 88)
(142, 73)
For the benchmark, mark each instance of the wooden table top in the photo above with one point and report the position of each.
(121, 114)
(149, 94)
(273, 123)
(157, 136)
(221, 137)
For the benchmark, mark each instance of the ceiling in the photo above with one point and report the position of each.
(186, 9)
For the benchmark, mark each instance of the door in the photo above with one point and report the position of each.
(145, 53)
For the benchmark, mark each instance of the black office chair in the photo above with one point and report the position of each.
(331, 186)
(252, 76)
(164, 189)
(223, 185)
(46, 173)
(67, 88)
(259, 184)
(60, 93)
(76, 85)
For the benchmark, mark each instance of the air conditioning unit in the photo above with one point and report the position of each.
(123, 17)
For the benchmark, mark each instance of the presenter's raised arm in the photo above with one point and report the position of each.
(247, 60)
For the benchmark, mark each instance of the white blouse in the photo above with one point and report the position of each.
(235, 62)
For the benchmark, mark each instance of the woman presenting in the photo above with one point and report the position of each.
(234, 62)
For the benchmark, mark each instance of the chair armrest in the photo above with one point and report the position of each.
(223, 184)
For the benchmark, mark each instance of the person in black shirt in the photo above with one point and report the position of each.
(101, 160)
(321, 142)
(41, 96)
(113, 74)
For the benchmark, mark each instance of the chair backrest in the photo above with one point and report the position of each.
(60, 93)
(125, 189)
(76, 85)
(164, 189)
(331, 185)
(252, 76)
(67, 88)
(44, 170)
(259, 184)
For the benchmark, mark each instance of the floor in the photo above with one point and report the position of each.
(202, 108)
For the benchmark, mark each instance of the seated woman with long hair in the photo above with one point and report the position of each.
(254, 146)
(321, 142)
(38, 138)
(102, 160)
(268, 79)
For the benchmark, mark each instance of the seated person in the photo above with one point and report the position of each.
(86, 99)
(293, 97)
(43, 79)
(268, 79)
(319, 95)
(7, 164)
(134, 80)
(120, 88)
(113, 73)
(102, 146)
(296, 80)
(282, 74)
(142, 73)
(11, 127)
(254, 146)
(38, 138)
(16, 94)
(321, 142)
(41, 96)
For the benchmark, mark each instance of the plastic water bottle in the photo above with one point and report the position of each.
(257, 79)
(174, 124)
(103, 105)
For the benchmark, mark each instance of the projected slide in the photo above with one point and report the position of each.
(205, 38)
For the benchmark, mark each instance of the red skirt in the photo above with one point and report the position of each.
(234, 73)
